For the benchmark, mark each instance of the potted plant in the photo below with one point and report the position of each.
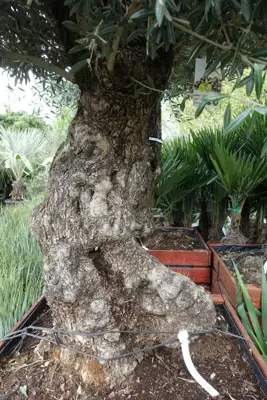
(239, 173)
(250, 259)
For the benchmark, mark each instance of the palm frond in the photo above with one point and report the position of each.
(240, 173)
(21, 151)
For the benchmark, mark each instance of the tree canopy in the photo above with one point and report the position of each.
(59, 38)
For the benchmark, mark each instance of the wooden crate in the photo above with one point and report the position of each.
(189, 258)
(196, 264)
(222, 278)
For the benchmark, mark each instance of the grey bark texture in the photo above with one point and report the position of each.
(102, 181)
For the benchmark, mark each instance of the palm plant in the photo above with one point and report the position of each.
(205, 140)
(239, 173)
(254, 142)
(183, 172)
(20, 153)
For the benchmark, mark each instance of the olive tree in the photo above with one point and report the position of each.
(102, 180)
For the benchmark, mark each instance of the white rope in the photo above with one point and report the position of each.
(183, 338)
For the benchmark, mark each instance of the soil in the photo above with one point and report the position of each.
(249, 264)
(178, 240)
(160, 376)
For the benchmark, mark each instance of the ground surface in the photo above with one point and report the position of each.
(160, 376)
(178, 240)
(249, 265)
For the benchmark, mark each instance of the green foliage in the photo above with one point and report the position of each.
(255, 79)
(21, 273)
(229, 107)
(21, 151)
(183, 172)
(221, 166)
(21, 121)
(240, 173)
(249, 314)
(76, 33)
(36, 183)
(253, 134)
(206, 139)
(56, 135)
(58, 96)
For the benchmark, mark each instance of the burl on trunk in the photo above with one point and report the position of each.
(102, 181)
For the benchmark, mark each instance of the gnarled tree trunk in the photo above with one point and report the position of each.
(97, 277)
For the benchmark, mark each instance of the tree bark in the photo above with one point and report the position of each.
(17, 190)
(245, 219)
(258, 224)
(218, 220)
(235, 236)
(102, 181)
(204, 223)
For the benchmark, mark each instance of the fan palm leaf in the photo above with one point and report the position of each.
(205, 140)
(21, 151)
(254, 139)
(183, 172)
(240, 173)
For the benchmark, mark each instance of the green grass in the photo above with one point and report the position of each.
(21, 272)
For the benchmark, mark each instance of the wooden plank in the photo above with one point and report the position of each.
(198, 275)
(196, 258)
(217, 298)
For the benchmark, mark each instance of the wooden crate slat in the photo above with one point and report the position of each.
(198, 275)
(197, 258)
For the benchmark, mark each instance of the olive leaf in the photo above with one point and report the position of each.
(238, 121)
(227, 116)
(160, 10)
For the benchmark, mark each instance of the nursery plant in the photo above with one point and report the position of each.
(21, 271)
(239, 173)
(237, 186)
(20, 153)
(249, 313)
(183, 173)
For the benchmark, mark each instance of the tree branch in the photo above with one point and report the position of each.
(38, 62)
(200, 37)
(148, 87)
(115, 46)
(215, 44)
(119, 31)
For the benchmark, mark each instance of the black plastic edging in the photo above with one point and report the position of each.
(234, 247)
